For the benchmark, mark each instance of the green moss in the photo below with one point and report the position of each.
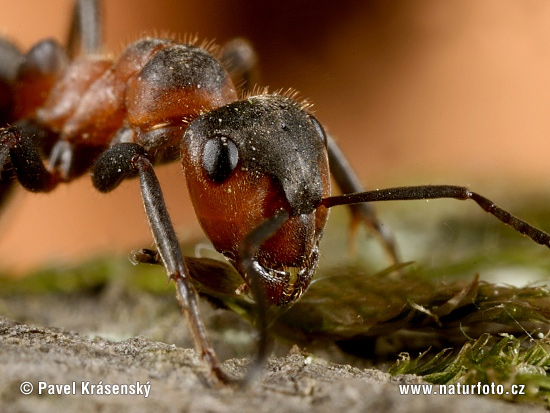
(500, 359)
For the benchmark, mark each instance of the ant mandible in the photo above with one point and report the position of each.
(257, 168)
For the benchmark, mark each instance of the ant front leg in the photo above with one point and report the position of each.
(348, 182)
(129, 159)
(248, 264)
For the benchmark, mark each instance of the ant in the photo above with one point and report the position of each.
(258, 168)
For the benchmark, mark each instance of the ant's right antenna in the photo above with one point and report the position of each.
(441, 191)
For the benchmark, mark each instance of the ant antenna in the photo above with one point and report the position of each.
(441, 191)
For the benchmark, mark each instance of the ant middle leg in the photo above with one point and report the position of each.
(348, 183)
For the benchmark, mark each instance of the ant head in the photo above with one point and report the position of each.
(249, 159)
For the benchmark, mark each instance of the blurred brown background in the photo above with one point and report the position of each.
(415, 91)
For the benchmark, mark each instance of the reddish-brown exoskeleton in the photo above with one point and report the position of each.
(258, 168)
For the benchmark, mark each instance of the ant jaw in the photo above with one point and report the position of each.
(283, 286)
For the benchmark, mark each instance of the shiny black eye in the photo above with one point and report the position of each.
(319, 129)
(219, 158)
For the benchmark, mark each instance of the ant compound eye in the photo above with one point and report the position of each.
(319, 129)
(219, 158)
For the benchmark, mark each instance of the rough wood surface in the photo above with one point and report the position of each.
(296, 382)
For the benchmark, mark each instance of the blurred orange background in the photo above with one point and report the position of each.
(415, 91)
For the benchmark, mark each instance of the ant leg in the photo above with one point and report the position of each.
(6, 176)
(31, 173)
(6, 186)
(10, 59)
(128, 159)
(85, 30)
(247, 251)
(5, 146)
(240, 60)
(348, 182)
(442, 191)
(247, 263)
(21, 150)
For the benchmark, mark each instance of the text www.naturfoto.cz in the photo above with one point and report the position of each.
(458, 388)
